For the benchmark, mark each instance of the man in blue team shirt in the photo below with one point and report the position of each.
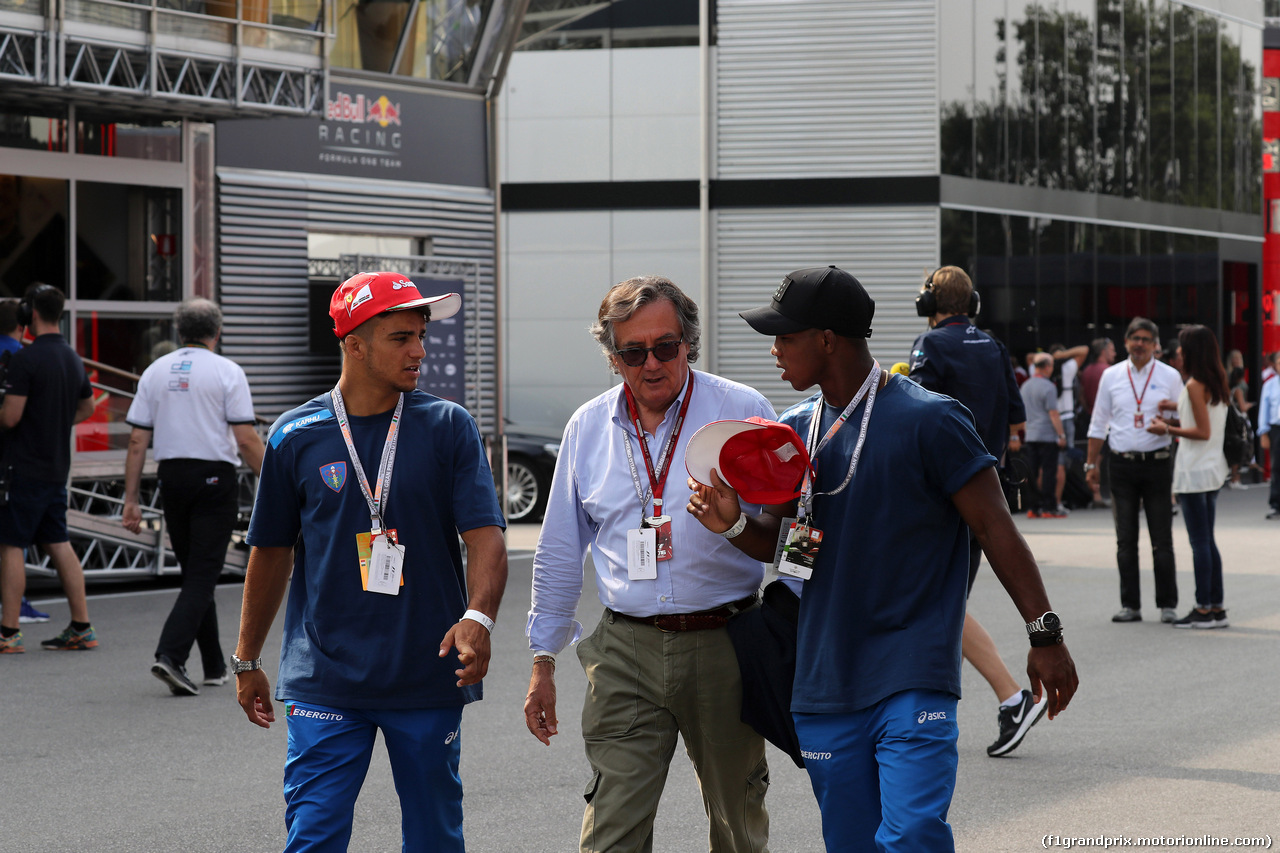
(378, 600)
(878, 645)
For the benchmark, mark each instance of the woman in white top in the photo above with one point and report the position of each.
(1200, 468)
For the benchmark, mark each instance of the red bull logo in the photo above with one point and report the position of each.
(384, 112)
(359, 110)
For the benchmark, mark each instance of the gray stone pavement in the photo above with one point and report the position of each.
(1173, 733)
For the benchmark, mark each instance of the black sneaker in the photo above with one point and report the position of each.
(1016, 721)
(1220, 619)
(1195, 619)
(174, 676)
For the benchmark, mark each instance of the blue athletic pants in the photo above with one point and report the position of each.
(329, 752)
(884, 775)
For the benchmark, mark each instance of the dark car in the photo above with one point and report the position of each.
(531, 459)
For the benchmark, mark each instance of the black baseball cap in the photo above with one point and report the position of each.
(816, 298)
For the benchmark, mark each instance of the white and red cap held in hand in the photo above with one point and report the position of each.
(764, 461)
(366, 295)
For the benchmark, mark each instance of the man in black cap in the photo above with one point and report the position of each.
(901, 475)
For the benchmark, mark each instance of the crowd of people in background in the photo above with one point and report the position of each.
(1146, 434)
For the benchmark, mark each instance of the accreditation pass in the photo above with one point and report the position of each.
(642, 556)
(386, 562)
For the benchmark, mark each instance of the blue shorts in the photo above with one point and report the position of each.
(36, 514)
(329, 752)
(884, 775)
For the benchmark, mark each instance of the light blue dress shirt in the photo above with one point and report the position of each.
(593, 502)
(1269, 407)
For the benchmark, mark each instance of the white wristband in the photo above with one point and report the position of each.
(477, 616)
(738, 526)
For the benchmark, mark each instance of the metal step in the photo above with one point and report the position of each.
(95, 502)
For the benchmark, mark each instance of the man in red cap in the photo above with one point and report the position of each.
(900, 473)
(383, 629)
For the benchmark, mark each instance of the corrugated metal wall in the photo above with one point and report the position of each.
(263, 222)
(826, 88)
(889, 249)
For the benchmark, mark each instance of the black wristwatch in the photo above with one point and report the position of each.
(1046, 630)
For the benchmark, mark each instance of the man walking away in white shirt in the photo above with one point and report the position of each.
(1130, 395)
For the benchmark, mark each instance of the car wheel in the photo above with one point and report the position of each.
(526, 491)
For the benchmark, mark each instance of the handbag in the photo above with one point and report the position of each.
(1237, 438)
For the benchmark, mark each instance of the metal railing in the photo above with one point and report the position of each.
(95, 506)
(220, 57)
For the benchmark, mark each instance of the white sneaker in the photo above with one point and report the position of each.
(1236, 485)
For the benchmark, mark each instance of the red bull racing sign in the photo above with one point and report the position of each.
(360, 130)
(368, 131)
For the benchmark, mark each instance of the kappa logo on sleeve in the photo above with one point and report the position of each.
(334, 475)
(306, 420)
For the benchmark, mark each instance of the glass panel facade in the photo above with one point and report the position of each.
(141, 139)
(33, 233)
(1046, 281)
(991, 138)
(127, 343)
(41, 129)
(956, 88)
(1144, 99)
(596, 24)
(135, 254)
(433, 39)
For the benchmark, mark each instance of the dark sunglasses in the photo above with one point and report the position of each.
(637, 356)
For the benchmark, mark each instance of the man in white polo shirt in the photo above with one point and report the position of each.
(1130, 394)
(198, 406)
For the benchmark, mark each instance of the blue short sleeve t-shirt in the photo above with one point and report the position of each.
(344, 646)
(960, 360)
(884, 609)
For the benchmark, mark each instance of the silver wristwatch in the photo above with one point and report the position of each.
(238, 666)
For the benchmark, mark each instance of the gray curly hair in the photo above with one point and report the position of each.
(197, 320)
(626, 298)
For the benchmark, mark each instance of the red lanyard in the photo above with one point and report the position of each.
(1134, 388)
(657, 481)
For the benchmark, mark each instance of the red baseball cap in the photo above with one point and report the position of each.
(368, 294)
(764, 461)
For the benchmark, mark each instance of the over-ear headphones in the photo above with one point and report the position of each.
(26, 306)
(927, 301)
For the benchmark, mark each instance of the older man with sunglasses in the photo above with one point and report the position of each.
(660, 662)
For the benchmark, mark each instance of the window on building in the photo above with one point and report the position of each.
(134, 254)
(33, 233)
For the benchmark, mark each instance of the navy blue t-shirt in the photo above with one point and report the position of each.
(884, 609)
(51, 376)
(960, 360)
(344, 646)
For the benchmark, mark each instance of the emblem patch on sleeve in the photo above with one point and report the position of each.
(334, 475)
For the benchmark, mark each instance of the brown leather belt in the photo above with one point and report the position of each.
(716, 617)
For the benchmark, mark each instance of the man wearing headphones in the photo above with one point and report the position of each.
(47, 392)
(958, 359)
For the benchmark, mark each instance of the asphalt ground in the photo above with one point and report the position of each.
(1173, 733)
